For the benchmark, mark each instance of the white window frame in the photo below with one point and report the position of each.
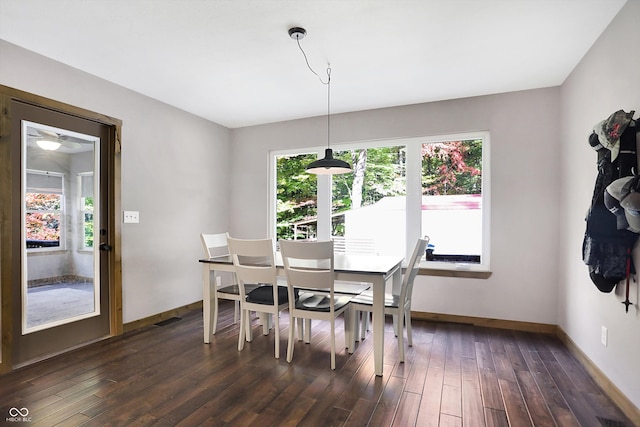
(82, 212)
(413, 192)
(485, 258)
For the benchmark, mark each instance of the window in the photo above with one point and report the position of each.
(452, 199)
(373, 194)
(86, 209)
(399, 191)
(44, 207)
(296, 208)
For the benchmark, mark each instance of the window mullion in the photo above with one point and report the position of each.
(414, 196)
(324, 207)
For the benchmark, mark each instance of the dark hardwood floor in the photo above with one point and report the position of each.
(454, 375)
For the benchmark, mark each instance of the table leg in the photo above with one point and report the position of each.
(379, 286)
(207, 319)
(378, 324)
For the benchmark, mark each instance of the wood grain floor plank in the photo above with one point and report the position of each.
(467, 342)
(581, 408)
(515, 355)
(439, 347)
(68, 408)
(407, 411)
(363, 385)
(429, 412)
(536, 405)
(361, 413)
(418, 373)
(472, 404)
(495, 418)
(450, 421)
(491, 393)
(514, 404)
(385, 410)
(553, 398)
(484, 357)
(73, 421)
(328, 403)
(451, 400)
(580, 377)
(504, 369)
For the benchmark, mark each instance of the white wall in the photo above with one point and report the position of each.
(525, 170)
(607, 79)
(174, 172)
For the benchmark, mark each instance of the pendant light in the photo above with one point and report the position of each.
(48, 145)
(327, 165)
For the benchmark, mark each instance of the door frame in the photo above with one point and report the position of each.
(10, 248)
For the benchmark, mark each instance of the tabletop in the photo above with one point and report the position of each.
(345, 263)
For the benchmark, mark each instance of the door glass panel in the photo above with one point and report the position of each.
(59, 280)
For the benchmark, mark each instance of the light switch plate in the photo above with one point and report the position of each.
(131, 217)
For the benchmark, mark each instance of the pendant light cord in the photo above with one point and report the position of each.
(327, 83)
(328, 104)
(309, 66)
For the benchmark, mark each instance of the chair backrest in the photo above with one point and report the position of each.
(412, 271)
(308, 264)
(214, 244)
(253, 260)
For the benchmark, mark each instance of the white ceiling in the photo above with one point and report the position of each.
(233, 62)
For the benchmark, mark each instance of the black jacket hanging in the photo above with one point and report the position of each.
(607, 243)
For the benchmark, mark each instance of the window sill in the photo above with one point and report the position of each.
(445, 269)
(45, 251)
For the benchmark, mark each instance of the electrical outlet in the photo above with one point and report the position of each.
(604, 336)
(131, 217)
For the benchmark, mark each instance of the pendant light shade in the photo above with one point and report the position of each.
(328, 165)
(48, 145)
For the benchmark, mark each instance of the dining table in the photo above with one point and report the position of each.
(381, 272)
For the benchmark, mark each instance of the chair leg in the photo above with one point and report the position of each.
(349, 340)
(300, 329)
(292, 331)
(265, 318)
(408, 324)
(214, 320)
(333, 344)
(244, 314)
(365, 324)
(354, 319)
(236, 311)
(400, 335)
(214, 297)
(276, 325)
(396, 329)
(307, 331)
(242, 332)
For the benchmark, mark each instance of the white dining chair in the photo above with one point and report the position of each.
(254, 264)
(215, 245)
(309, 267)
(398, 305)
